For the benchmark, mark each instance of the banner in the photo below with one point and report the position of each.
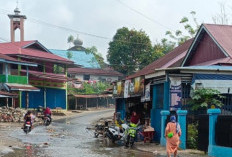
(147, 92)
(175, 93)
(119, 88)
(137, 85)
(126, 88)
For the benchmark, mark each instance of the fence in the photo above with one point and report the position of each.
(223, 136)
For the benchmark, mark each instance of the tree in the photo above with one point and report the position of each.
(179, 37)
(130, 50)
(97, 56)
(222, 16)
(70, 40)
(205, 98)
(69, 54)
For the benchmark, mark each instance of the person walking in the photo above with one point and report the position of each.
(172, 134)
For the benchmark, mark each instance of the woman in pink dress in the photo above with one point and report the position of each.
(172, 134)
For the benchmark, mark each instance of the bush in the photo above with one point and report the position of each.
(192, 136)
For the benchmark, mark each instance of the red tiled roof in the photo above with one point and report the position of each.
(103, 72)
(222, 34)
(19, 48)
(168, 60)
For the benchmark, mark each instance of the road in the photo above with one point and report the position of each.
(70, 138)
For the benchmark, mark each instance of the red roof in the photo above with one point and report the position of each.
(24, 49)
(103, 72)
(226, 60)
(91, 96)
(49, 76)
(7, 94)
(21, 87)
(222, 34)
(169, 60)
(8, 58)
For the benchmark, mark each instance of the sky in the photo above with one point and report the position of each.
(102, 18)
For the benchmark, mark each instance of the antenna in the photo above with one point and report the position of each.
(17, 4)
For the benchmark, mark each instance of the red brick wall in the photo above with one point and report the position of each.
(207, 50)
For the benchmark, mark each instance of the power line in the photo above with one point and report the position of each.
(34, 20)
(143, 15)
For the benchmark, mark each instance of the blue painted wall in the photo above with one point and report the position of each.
(35, 99)
(160, 101)
(54, 98)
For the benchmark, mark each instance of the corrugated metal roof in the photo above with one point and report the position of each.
(21, 49)
(168, 60)
(79, 57)
(106, 72)
(222, 34)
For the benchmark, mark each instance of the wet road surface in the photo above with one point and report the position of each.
(70, 138)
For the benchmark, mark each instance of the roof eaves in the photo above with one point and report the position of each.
(37, 42)
(191, 47)
(196, 39)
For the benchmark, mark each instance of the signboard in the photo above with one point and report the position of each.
(126, 88)
(175, 93)
(147, 92)
(119, 88)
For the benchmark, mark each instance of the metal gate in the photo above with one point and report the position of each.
(203, 132)
(223, 136)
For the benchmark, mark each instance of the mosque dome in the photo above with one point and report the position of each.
(78, 42)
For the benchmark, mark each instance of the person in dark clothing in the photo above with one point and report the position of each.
(134, 118)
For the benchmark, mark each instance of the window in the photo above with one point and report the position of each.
(86, 77)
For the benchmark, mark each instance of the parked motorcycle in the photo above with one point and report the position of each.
(100, 129)
(27, 127)
(113, 134)
(47, 120)
(130, 135)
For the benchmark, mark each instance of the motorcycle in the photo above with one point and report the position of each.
(131, 134)
(47, 120)
(27, 127)
(113, 134)
(100, 129)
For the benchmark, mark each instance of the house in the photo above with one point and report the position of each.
(204, 61)
(11, 83)
(88, 74)
(52, 86)
(90, 69)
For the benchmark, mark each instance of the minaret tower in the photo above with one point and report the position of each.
(17, 22)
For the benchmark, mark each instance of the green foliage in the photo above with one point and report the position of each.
(204, 98)
(97, 56)
(95, 88)
(179, 36)
(192, 139)
(130, 50)
(58, 69)
(69, 54)
(70, 39)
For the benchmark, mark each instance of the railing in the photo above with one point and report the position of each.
(13, 79)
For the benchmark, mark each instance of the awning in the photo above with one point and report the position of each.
(47, 76)
(92, 96)
(222, 83)
(20, 87)
(4, 94)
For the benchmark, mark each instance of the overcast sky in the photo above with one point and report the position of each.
(102, 18)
